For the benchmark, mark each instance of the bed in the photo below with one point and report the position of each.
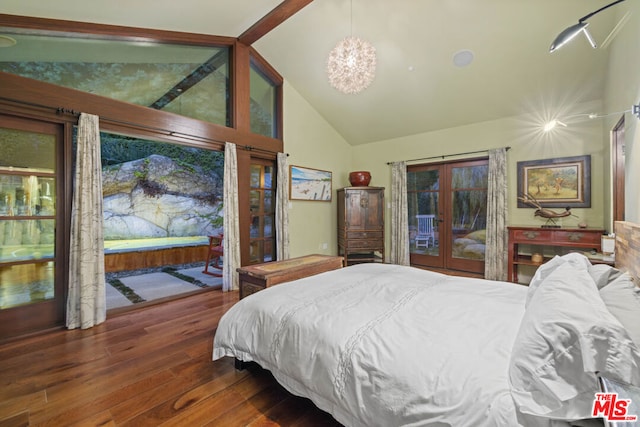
(388, 345)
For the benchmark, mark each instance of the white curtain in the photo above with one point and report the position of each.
(86, 303)
(399, 215)
(495, 262)
(231, 242)
(282, 208)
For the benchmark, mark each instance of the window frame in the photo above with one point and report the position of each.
(32, 98)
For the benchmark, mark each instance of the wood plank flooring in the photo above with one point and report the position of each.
(148, 367)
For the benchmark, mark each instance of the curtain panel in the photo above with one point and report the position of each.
(282, 208)
(231, 227)
(399, 215)
(86, 301)
(495, 264)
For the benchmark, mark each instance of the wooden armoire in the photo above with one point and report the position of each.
(361, 224)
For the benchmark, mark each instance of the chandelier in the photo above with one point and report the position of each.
(351, 65)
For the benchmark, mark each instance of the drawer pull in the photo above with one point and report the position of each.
(575, 237)
(531, 234)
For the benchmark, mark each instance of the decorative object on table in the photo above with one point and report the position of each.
(537, 258)
(582, 224)
(309, 184)
(562, 182)
(550, 215)
(359, 178)
(608, 244)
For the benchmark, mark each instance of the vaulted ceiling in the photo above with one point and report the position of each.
(417, 88)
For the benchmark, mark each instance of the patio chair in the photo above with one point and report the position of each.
(426, 235)
(214, 255)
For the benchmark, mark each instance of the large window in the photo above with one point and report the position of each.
(263, 103)
(159, 195)
(192, 81)
(27, 217)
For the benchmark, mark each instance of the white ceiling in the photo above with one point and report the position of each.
(417, 87)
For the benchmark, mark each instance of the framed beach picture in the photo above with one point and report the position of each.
(309, 184)
(562, 182)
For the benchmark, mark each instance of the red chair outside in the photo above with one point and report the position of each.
(214, 255)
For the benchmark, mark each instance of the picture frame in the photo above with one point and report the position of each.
(563, 182)
(310, 184)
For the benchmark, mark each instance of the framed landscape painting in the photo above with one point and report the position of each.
(309, 184)
(562, 182)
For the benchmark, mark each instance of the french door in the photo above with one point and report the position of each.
(32, 260)
(262, 234)
(447, 205)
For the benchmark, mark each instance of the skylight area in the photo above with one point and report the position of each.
(192, 81)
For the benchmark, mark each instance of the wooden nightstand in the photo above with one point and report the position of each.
(584, 239)
(254, 278)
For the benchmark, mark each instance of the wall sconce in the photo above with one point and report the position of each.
(552, 124)
(581, 27)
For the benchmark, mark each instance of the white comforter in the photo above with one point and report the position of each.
(385, 345)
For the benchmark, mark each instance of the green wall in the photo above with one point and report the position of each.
(311, 142)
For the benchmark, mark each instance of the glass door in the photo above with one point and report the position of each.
(262, 237)
(31, 286)
(423, 200)
(447, 215)
(466, 215)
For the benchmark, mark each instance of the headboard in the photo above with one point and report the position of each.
(628, 248)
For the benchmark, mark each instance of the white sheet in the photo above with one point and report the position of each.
(385, 345)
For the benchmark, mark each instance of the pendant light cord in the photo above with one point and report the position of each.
(584, 18)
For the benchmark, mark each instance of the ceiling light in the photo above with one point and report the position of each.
(351, 65)
(552, 124)
(581, 27)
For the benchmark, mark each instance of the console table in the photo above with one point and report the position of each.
(256, 277)
(580, 238)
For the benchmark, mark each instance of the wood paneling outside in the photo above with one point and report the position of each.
(125, 261)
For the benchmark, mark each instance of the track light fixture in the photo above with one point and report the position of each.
(554, 123)
(581, 27)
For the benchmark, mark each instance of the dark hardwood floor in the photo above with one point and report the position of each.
(148, 367)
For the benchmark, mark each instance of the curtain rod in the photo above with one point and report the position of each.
(449, 155)
(62, 110)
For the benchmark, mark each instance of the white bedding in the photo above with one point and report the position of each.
(385, 345)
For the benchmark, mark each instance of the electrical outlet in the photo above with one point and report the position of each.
(325, 246)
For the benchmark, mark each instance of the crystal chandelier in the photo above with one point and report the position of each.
(351, 65)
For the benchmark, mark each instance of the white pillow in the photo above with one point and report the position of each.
(565, 337)
(574, 258)
(622, 299)
(603, 274)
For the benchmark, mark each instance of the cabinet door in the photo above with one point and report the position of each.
(364, 209)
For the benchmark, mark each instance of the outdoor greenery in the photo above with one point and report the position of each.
(118, 149)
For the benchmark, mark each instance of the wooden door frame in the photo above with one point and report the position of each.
(618, 170)
(445, 260)
(48, 314)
